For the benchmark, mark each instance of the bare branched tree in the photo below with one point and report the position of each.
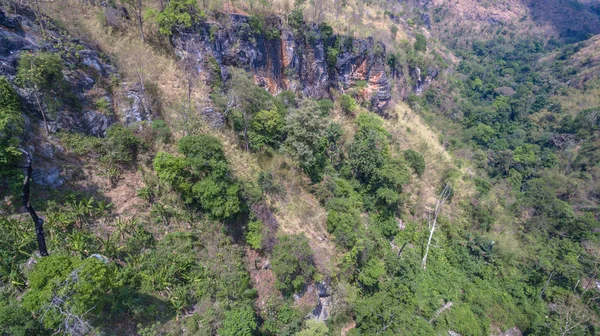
(137, 7)
(432, 219)
(594, 251)
(445, 307)
(572, 316)
(71, 323)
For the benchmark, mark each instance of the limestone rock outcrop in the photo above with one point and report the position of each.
(306, 59)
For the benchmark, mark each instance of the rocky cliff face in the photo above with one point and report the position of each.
(306, 59)
(85, 71)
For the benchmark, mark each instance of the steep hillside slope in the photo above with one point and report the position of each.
(322, 168)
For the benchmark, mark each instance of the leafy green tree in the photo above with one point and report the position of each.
(369, 150)
(372, 272)
(204, 152)
(343, 221)
(482, 133)
(218, 196)
(244, 100)
(11, 128)
(266, 128)
(239, 322)
(202, 176)
(293, 263)
(42, 72)
(305, 128)
(390, 311)
(161, 131)
(64, 285)
(17, 321)
(176, 15)
(326, 106)
(281, 318)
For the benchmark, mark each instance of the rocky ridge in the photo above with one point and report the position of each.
(307, 59)
(86, 72)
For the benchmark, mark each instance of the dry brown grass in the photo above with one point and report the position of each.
(409, 130)
(573, 100)
(298, 211)
(301, 213)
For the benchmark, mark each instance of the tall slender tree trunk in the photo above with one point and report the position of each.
(39, 223)
(432, 222)
(547, 283)
(39, 104)
(140, 16)
(246, 133)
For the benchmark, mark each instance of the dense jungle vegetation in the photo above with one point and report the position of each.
(470, 207)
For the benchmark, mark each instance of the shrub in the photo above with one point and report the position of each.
(272, 33)
(42, 72)
(393, 31)
(332, 55)
(176, 15)
(267, 183)
(326, 106)
(17, 321)
(103, 105)
(415, 160)
(121, 146)
(11, 127)
(292, 263)
(254, 235)
(238, 321)
(326, 30)
(161, 131)
(348, 104)
(420, 42)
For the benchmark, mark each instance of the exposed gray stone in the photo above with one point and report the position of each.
(133, 109)
(48, 177)
(45, 150)
(323, 309)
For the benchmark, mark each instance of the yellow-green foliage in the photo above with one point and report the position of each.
(11, 127)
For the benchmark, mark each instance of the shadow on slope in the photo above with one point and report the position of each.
(573, 20)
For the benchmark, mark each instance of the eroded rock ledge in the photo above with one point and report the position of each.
(306, 59)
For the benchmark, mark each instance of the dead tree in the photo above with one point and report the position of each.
(39, 223)
(444, 195)
(440, 311)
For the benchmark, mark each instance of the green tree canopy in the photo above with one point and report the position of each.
(11, 128)
(293, 263)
